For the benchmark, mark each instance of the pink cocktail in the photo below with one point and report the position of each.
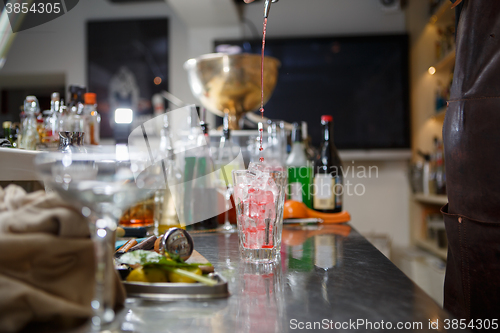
(259, 197)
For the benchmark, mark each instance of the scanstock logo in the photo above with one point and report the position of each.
(26, 14)
(177, 135)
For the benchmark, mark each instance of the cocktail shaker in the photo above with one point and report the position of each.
(177, 241)
(71, 142)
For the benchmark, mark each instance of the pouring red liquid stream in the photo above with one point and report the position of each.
(261, 130)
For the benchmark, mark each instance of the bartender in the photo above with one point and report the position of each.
(472, 144)
(472, 153)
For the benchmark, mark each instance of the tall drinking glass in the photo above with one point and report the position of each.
(102, 184)
(259, 199)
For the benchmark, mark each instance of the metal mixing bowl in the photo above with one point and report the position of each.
(231, 83)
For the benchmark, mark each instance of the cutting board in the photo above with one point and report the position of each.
(197, 258)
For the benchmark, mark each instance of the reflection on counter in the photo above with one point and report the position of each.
(262, 297)
(324, 272)
(324, 250)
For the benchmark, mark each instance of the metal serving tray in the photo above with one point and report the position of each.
(169, 291)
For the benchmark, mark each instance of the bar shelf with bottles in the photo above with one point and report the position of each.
(39, 130)
(440, 11)
(428, 180)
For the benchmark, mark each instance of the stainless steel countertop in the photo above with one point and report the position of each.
(324, 276)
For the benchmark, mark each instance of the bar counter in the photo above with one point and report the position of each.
(328, 278)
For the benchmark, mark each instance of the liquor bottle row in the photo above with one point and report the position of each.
(429, 177)
(316, 181)
(40, 130)
(315, 178)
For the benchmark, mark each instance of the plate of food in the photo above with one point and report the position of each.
(175, 271)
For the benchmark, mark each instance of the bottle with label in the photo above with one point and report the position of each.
(92, 120)
(299, 170)
(40, 123)
(328, 179)
(6, 125)
(29, 135)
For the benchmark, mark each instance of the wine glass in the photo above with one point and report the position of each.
(226, 192)
(103, 183)
(225, 157)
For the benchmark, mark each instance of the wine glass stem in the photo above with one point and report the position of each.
(103, 313)
(227, 223)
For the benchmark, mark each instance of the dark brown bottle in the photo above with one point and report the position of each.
(328, 179)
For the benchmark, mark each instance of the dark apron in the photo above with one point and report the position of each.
(471, 135)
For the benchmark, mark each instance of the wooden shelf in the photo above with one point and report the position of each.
(432, 199)
(433, 248)
(446, 62)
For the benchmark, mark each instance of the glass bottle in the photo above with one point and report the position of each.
(166, 216)
(204, 189)
(299, 169)
(275, 152)
(29, 134)
(311, 151)
(225, 153)
(92, 120)
(51, 133)
(6, 125)
(72, 120)
(15, 131)
(40, 123)
(328, 178)
(63, 114)
(225, 163)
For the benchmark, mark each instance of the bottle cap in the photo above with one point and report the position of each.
(296, 133)
(90, 98)
(326, 118)
(204, 127)
(6, 124)
(31, 105)
(55, 96)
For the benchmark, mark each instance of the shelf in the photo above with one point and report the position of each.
(446, 62)
(431, 199)
(433, 248)
(442, 13)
